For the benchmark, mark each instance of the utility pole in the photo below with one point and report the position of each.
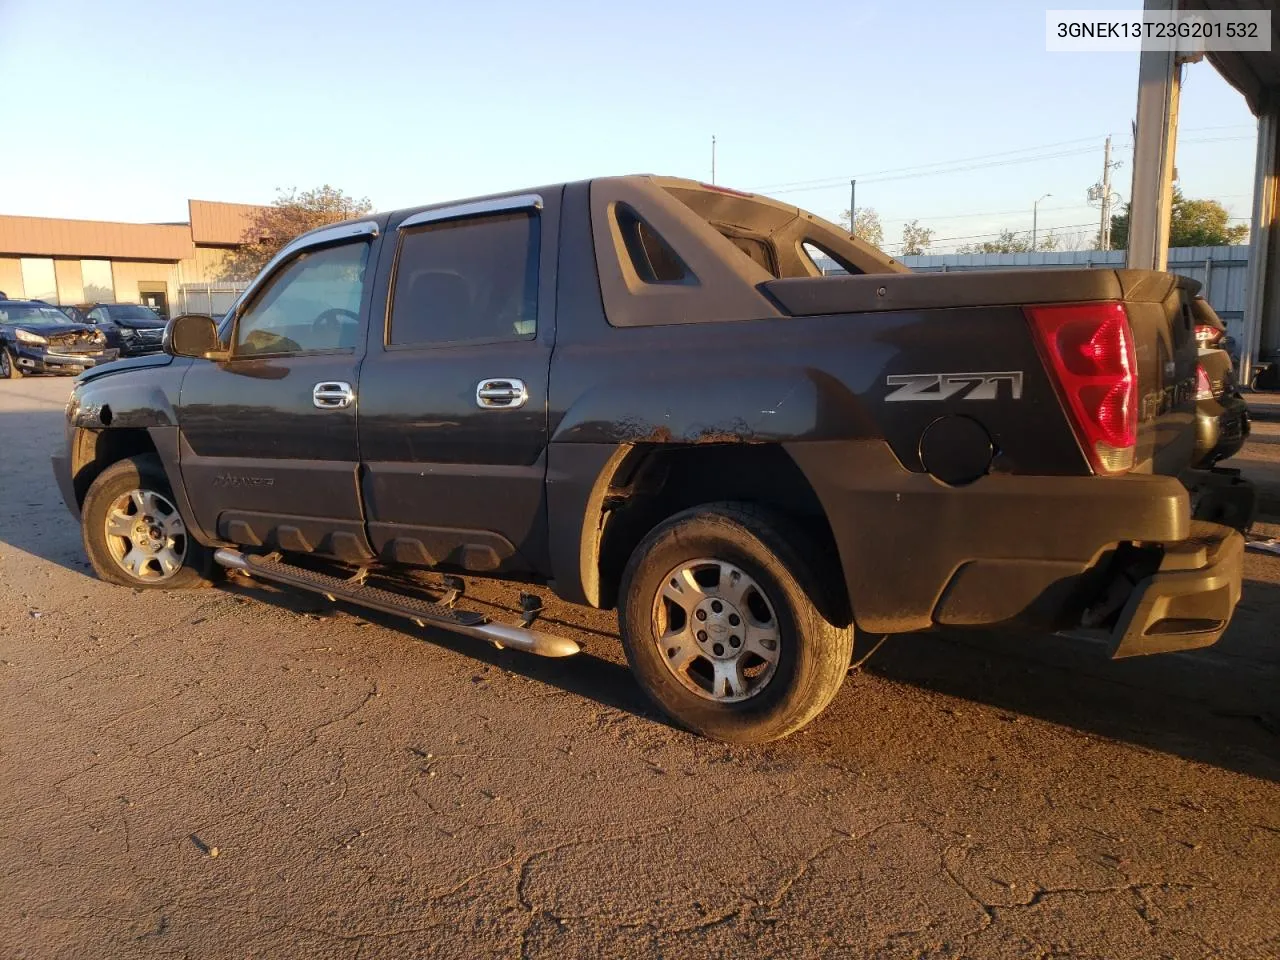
(1035, 217)
(853, 203)
(1101, 194)
(713, 159)
(1104, 228)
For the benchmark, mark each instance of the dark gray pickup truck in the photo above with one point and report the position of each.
(641, 393)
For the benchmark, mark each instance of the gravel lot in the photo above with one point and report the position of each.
(245, 772)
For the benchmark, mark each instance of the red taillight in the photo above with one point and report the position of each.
(1088, 348)
(1207, 335)
(1204, 389)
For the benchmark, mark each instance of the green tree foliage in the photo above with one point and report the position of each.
(1193, 223)
(866, 226)
(291, 214)
(1011, 241)
(915, 238)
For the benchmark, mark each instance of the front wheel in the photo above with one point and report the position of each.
(8, 366)
(133, 533)
(720, 625)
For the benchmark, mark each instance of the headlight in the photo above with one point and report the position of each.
(28, 337)
(128, 333)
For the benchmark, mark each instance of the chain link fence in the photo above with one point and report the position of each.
(214, 299)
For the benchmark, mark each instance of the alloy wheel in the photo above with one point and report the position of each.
(146, 536)
(716, 630)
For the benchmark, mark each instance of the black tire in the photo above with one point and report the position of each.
(143, 473)
(8, 366)
(812, 656)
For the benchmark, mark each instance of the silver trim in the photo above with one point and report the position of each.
(339, 231)
(333, 395)
(475, 208)
(499, 634)
(501, 393)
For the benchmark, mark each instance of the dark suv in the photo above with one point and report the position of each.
(132, 329)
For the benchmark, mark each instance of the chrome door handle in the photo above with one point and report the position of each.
(333, 395)
(501, 393)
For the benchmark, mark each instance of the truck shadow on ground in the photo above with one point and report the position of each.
(1219, 706)
(587, 675)
(1216, 706)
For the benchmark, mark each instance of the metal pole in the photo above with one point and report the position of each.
(713, 158)
(853, 203)
(1104, 228)
(1151, 195)
(1035, 211)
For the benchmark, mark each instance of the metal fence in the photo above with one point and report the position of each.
(1220, 270)
(215, 299)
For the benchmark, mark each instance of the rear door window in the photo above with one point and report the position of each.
(466, 280)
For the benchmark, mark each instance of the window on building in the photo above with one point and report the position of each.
(312, 303)
(474, 279)
(98, 282)
(39, 280)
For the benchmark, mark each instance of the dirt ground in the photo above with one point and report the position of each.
(243, 772)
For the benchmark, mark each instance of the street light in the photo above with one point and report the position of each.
(1034, 217)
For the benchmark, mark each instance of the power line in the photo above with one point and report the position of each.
(961, 165)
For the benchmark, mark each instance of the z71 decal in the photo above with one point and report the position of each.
(944, 386)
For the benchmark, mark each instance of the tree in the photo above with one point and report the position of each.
(866, 226)
(291, 214)
(1007, 242)
(1192, 223)
(1010, 241)
(915, 238)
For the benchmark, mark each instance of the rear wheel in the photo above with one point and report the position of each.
(720, 626)
(133, 533)
(8, 366)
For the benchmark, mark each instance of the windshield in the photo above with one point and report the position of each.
(129, 311)
(32, 316)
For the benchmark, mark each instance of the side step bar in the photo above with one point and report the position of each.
(422, 612)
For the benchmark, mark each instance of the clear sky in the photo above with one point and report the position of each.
(124, 109)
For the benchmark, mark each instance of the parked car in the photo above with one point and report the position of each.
(641, 393)
(1222, 415)
(38, 338)
(74, 313)
(133, 329)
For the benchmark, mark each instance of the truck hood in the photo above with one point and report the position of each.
(122, 366)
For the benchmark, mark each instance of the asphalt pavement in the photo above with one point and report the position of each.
(244, 772)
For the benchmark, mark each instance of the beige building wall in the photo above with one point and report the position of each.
(128, 272)
(11, 276)
(70, 281)
(205, 266)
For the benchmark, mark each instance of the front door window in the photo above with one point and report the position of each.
(310, 305)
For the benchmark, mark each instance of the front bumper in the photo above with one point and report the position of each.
(139, 347)
(66, 483)
(38, 359)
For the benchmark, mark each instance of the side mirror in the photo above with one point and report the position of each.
(192, 335)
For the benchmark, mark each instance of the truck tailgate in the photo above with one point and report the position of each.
(1157, 305)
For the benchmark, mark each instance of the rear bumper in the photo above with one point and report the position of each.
(1188, 601)
(1222, 426)
(1033, 554)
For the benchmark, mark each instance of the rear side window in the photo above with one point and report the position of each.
(652, 257)
(472, 279)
